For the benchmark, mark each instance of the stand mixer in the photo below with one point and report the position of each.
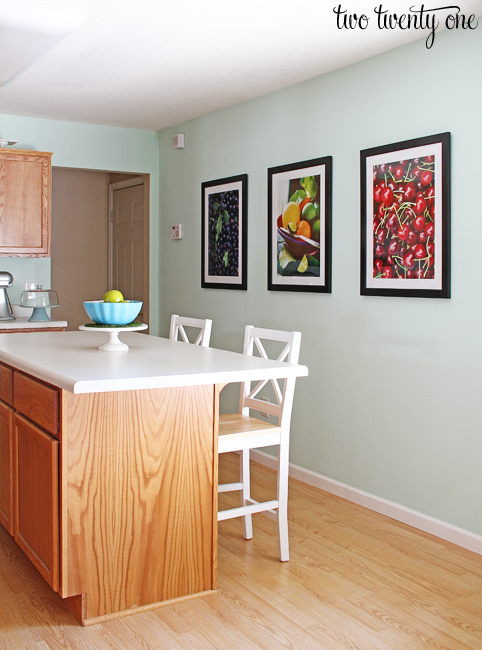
(6, 280)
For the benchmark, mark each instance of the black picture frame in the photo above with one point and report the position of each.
(299, 254)
(405, 218)
(224, 235)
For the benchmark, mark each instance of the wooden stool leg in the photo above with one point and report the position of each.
(246, 492)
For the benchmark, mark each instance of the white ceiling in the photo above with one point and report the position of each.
(150, 64)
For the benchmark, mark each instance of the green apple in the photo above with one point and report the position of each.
(113, 296)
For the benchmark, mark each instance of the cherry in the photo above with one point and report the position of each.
(430, 195)
(382, 170)
(387, 272)
(419, 251)
(392, 221)
(430, 248)
(393, 247)
(378, 262)
(420, 205)
(429, 159)
(426, 177)
(412, 237)
(416, 173)
(410, 274)
(419, 274)
(380, 251)
(377, 194)
(398, 172)
(403, 231)
(408, 260)
(392, 184)
(390, 260)
(387, 196)
(422, 237)
(381, 210)
(419, 222)
(375, 174)
(430, 229)
(409, 193)
(381, 235)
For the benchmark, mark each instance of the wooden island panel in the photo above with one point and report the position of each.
(138, 498)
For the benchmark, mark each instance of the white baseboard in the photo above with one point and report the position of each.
(435, 527)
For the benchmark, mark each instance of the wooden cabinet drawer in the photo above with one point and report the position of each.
(37, 401)
(6, 381)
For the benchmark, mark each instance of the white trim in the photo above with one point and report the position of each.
(436, 527)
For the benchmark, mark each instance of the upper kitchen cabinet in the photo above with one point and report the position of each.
(25, 203)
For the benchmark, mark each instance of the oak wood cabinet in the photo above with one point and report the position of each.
(6, 466)
(112, 496)
(29, 468)
(25, 188)
(36, 497)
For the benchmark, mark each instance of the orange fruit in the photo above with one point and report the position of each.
(304, 229)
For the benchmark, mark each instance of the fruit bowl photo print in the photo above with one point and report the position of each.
(405, 218)
(299, 226)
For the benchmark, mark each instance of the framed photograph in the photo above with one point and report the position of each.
(224, 233)
(299, 226)
(405, 218)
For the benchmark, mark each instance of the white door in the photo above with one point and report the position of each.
(128, 250)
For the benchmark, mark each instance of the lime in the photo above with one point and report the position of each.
(291, 214)
(293, 227)
(309, 213)
(315, 231)
(303, 264)
(113, 296)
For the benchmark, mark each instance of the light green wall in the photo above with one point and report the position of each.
(392, 404)
(87, 146)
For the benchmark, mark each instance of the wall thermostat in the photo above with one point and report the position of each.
(176, 231)
(178, 141)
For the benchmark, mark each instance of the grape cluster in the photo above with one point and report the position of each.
(224, 233)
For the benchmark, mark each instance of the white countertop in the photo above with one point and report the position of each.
(22, 322)
(72, 361)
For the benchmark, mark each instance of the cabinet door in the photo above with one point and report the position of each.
(36, 497)
(25, 205)
(6, 466)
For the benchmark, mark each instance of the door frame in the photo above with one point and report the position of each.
(120, 185)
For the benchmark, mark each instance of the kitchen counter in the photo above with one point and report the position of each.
(72, 361)
(109, 464)
(23, 323)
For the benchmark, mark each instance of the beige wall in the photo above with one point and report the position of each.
(80, 207)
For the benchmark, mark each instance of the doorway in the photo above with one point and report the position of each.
(80, 240)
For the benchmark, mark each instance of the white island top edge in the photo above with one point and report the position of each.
(73, 362)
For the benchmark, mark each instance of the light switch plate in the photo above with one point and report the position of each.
(176, 231)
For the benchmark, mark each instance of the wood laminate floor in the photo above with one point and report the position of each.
(356, 580)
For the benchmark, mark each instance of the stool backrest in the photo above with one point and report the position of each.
(177, 331)
(283, 395)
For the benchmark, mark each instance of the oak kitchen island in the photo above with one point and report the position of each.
(108, 464)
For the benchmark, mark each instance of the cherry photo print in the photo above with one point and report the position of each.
(405, 218)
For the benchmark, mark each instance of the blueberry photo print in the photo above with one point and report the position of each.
(224, 233)
(405, 218)
(299, 226)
